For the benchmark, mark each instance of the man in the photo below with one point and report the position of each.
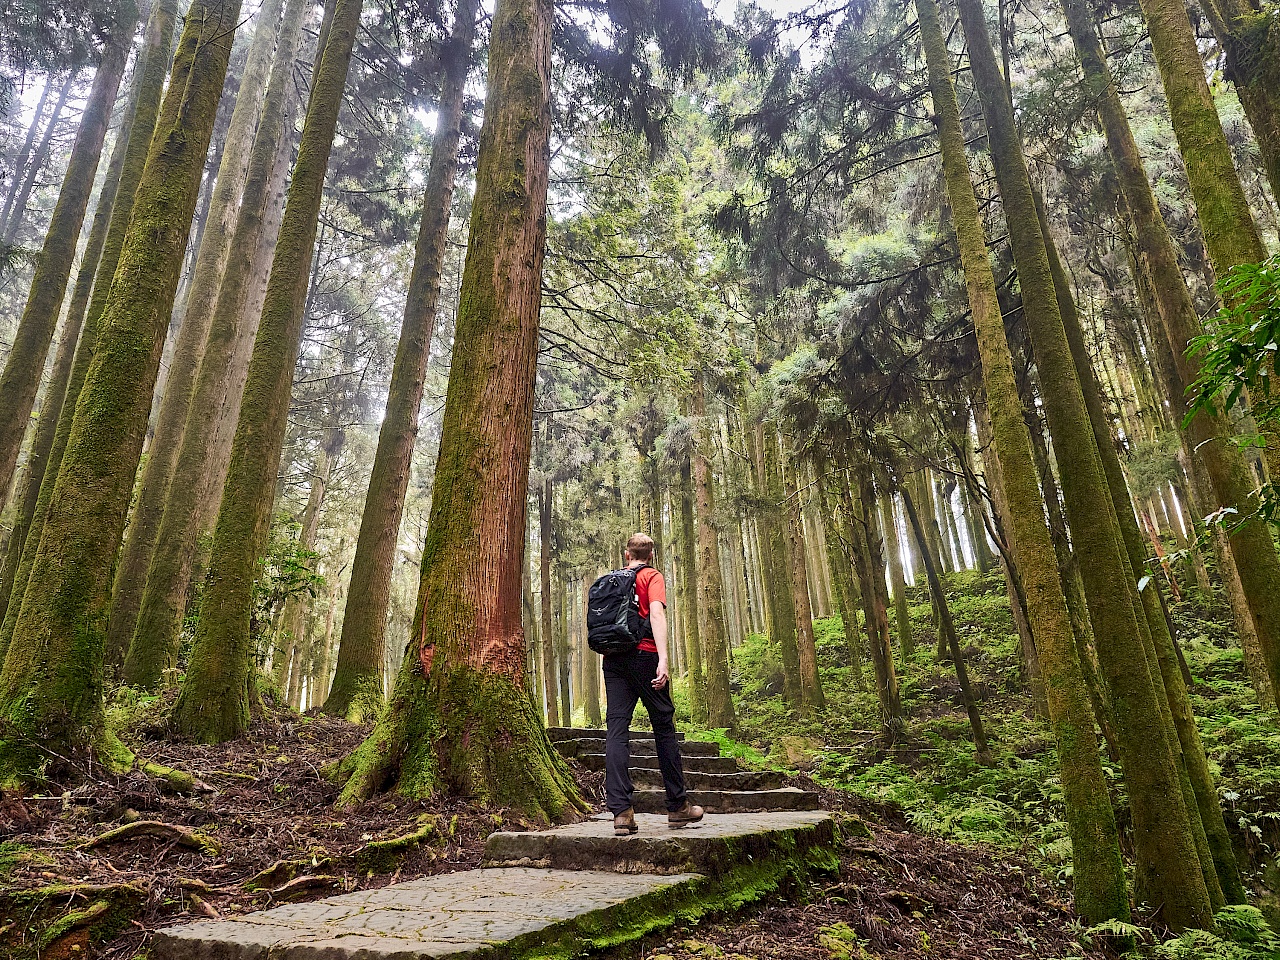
(641, 674)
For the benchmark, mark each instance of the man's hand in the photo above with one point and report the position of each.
(662, 677)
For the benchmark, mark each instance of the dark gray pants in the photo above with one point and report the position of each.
(628, 677)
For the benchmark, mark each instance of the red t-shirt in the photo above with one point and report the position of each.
(650, 588)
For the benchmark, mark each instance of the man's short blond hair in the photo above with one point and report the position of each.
(640, 547)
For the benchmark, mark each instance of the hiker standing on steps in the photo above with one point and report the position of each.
(627, 623)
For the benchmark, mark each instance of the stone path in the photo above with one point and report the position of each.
(560, 892)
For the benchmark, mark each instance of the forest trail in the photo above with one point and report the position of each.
(560, 891)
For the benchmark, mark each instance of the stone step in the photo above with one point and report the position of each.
(715, 847)
(639, 747)
(744, 780)
(578, 733)
(595, 761)
(731, 801)
(510, 913)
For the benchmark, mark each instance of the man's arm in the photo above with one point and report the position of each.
(658, 620)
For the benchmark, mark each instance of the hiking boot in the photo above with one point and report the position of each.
(689, 813)
(624, 823)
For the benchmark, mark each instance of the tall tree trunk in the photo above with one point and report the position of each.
(214, 703)
(51, 687)
(1069, 573)
(953, 642)
(591, 674)
(1249, 36)
(144, 521)
(1210, 435)
(1230, 232)
(132, 161)
(296, 608)
(784, 620)
(946, 489)
(151, 648)
(564, 651)
(901, 611)
(875, 602)
(712, 631)
(811, 695)
(533, 669)
(56, 394)
(546, 504)
(843, 581)
(16, 204)
(1014, 588)
(21, 377)
(689, 581)
(1200, 794)
(459, 719)
(937, 526)
(1099, 880)
(357, 683)
(1163, 837)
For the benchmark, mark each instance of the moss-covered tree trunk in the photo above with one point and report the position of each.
(215, 699)
(1014, 589)
(1217, 859)
(875, 604)
(1099, 880)
(940, 524)
(689, 593)
(459, 720)
(20, 380)
(357, 682)
(1068, 569)
(148, 510)
(1249, 35)
(893, 547)
(51, 408)
(712, 630)
(842, 577)
(948, 628)
(1163, 836)
(293, 622)
(51, 687)
(133, 159)
(1230, 232)
(1209, 434)
(546, 504)
(783, 618)
(150, 654)
(812, 698)
(591, 670)
(564, 651)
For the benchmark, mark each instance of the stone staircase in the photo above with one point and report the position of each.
(714, 782)
(563, 892)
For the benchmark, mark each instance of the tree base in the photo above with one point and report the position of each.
(25, 760)
(357, 700)
(465, 733)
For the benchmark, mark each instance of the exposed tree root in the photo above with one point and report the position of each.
(161, 831)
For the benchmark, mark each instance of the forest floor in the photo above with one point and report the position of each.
(940, 857)
(1012, 810)
(266, 832)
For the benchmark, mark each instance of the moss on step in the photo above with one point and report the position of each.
(682, 904)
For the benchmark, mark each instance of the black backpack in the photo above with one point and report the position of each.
(614, 624)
